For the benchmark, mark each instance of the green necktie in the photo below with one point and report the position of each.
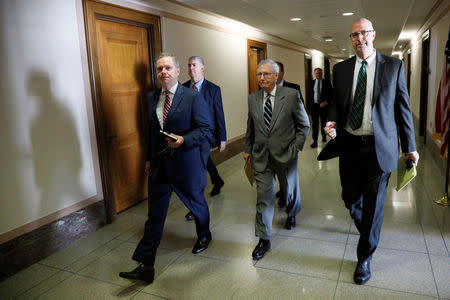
(358, 101)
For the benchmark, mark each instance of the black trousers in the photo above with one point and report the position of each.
(158, 204)
(213, 173)
(316, 113)
(364, 187)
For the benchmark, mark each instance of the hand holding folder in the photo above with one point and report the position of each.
(405, 173)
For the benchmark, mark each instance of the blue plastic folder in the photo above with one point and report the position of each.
(406, 172)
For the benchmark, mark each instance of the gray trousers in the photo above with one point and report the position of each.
(265, 200)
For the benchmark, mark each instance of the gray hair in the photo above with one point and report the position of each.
(275, 67)
(167, 54)
(197, 58)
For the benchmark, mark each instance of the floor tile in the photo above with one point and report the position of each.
(394, 270)
(346, 291)
(25, 280)
(304, 256)
(45, 285)
(107, 268)
(77, 287)
(194, 277)
(320, 226)
(441, 269)
(269, 284)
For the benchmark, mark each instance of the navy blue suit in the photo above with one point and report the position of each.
(213, 98)
(182, 170)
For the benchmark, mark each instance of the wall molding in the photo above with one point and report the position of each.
(47, 219)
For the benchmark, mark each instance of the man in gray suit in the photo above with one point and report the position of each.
(369, 114)
(277, 127)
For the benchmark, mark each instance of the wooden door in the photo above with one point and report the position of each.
(308, 74)
(424, 87)
(256, 52)
(122, 48)
(122, 45)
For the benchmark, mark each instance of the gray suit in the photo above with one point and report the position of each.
(275, 151)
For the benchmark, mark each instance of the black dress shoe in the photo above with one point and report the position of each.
(261, 249)
(324, 139)
(314, 145)
(362, 272)
(202, 244)
(279, 194)
(142, 272)
(189, 216)
(290, 223)
(216, 188)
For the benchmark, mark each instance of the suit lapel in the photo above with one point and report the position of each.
(153, 103)
(278, 104)
(259, 102)
(349, 70)
(379, 70)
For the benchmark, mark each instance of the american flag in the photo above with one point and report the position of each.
(442, 114)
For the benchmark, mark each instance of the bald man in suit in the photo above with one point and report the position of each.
(370, 112)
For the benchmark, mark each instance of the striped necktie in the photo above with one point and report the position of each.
(358, 101)
(166, 107)
(194, 87)
(267, 112)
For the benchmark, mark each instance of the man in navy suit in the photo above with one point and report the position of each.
(320, 94)
(175, 165)
(213, 102)
(369, 113)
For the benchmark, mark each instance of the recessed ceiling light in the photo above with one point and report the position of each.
(296, 19)
(328, 39)
(348, 14)
(343, 49)
(400, 46)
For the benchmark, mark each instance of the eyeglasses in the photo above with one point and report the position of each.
(263, 74)
(364, 33)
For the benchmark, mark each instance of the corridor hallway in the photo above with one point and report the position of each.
(316, 260)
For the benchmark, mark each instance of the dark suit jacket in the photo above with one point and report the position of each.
(213, 97)
(391, 113)
(189, 118)
(326, 94)
(295, 87)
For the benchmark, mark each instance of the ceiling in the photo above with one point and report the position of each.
(323, 18)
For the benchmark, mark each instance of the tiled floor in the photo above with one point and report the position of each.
(314, 261)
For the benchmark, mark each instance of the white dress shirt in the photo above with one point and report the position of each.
(366, 126)
(162, 99)
(272, 97)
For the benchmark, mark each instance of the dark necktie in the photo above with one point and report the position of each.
(358, 101)
(166, 107)
(267, 112)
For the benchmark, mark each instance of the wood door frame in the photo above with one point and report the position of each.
(262, 49)
(94, 10)
(424, 85)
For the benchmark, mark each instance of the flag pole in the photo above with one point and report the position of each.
(444, 199)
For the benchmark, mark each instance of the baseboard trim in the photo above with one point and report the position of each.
(234, 146)
(4, 237)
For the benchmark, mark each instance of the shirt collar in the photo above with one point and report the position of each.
(281, 83)
(369, 60)
(198, 85)
(272, 92)
(173, 89)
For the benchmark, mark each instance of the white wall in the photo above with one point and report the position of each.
(225, 57)
(438, 38)
(46, 155)
(293, 62)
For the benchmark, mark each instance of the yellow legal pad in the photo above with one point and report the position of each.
(404, 174)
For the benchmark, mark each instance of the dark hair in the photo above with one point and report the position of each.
(280, 64)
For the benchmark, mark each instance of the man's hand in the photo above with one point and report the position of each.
(247, 157)
(172, 143)
(330, 129)
(147, 167)
(323, 104)
(414, 156)
(222, 146)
